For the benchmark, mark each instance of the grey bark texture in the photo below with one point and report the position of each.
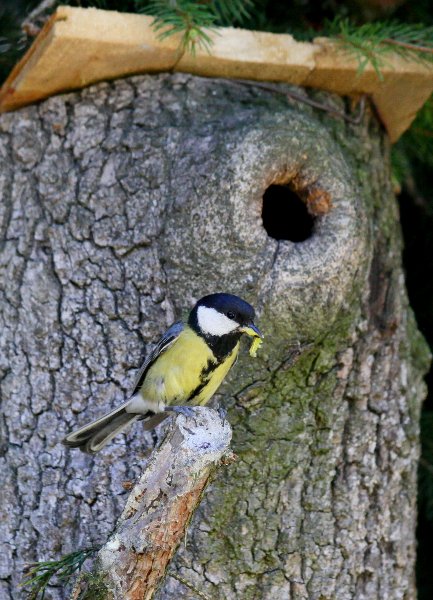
(123, 204)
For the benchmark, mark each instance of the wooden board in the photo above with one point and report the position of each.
(79, 46)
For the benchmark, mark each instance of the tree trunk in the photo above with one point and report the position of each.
(122, 205)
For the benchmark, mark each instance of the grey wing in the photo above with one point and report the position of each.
(168, 338)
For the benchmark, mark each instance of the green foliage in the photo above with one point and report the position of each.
(190, 19)
(41, 573)
(371, 43)
(412, 156)
(193, 20)
(12, 41)
(232, 12)
(419, 141)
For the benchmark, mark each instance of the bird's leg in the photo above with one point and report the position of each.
(222, 413)
(186, 411)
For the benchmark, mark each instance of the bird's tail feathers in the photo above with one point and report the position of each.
(153, 420)
(94, 436)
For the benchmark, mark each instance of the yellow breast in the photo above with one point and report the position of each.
(188, 368)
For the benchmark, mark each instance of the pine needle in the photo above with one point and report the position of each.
(39, 574)
(193, 20)
(371, 43)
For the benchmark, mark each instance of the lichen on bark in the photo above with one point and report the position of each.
(123, 204)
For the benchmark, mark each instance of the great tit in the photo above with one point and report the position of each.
(187, 366)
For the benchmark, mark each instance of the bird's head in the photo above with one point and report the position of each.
(220, 315)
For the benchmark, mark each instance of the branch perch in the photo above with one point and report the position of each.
(135, 558)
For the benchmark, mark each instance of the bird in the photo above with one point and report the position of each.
(186, 367)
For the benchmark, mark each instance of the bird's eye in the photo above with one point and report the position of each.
(231, 315)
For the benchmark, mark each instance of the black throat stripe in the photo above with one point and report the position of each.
(205, 377)
(221, 345)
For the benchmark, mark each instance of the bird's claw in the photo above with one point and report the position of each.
(186, 411)
(222, 413)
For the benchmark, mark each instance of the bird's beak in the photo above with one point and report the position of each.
(252, 330)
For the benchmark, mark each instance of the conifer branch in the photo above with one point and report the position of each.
(408, 46)
(40, 574)
(372, 42)
(193, 20)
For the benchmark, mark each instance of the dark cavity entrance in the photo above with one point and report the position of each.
(285, 215)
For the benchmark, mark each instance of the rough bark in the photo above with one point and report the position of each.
(122, 205)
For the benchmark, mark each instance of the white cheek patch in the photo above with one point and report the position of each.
(212, 322)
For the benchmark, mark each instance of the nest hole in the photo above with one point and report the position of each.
(285, 216)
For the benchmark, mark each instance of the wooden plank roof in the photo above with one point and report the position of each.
(78, 47)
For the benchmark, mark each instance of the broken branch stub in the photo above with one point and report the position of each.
(134, 560)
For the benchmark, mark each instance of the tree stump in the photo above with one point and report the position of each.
(122, 205)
